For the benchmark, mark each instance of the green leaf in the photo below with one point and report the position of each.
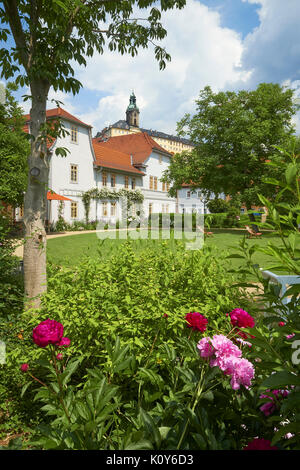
(280, 379)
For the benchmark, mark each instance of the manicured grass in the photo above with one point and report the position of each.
(70, 249)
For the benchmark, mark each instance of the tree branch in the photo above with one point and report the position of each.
(15, 24)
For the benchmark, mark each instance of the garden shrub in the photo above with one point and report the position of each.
(128, 294)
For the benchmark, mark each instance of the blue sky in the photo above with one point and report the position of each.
(227, 44)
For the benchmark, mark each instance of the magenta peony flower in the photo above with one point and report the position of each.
(205, 348)
(275, 395)
(47, 332)
(260, 444)
(59, 356)
(241, 318)
(65, 342)
(281, 323)
(196, 321)
(24, 367)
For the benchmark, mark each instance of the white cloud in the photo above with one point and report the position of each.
(272, 50)
(203, 53)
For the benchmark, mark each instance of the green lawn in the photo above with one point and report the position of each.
(69, 250)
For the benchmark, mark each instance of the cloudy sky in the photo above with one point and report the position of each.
(227, 44)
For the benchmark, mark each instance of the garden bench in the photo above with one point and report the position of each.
(252, 233)
(205, 233)
(284, 280)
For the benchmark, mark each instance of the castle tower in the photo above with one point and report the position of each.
(132, 112)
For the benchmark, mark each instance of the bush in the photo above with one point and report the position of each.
(217, 206)
(11, 281)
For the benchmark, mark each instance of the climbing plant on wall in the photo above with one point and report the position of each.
(127, 197)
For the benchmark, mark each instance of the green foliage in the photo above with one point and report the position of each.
(217, 205)
(11, 293)
(49, 38)
(128, 294)
(277, 342)
(14, 150)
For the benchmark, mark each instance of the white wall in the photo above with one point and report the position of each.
(60, 171)
(156, 165)
(189, 201)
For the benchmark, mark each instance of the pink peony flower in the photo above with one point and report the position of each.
(223, 348)
(24, 367)
(241, 371)
(65, 342)
(47, 332)
(268, 408)
(241, 318)
(260, 444)
(281, 323)
(59, 356)
(205, 348)
(196, 321)
(290, 336)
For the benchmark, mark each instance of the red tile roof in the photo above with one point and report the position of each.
(110, 158)
(59, 112)
(139, 145)
(52, 114)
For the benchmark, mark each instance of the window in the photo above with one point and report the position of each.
(126, 181)
(74, 134)
(104, 209)
(113, 181)
(188, 194)
(132, 183)
(150, 208)
(74, 173)
(155, 183)
(104, 179)
(164, 186)
(199, 195)
(21, 211)
(151, 182)
(74, 210)
(168, 186)
(113, 207)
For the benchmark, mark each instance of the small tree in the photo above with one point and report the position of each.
(14, 151)
(48, 36)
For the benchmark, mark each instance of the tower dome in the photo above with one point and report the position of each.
(132, 112)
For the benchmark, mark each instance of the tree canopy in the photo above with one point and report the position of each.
(14, 151)
(234, 134)
(48, 37)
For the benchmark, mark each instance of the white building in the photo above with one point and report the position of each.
(131, 162)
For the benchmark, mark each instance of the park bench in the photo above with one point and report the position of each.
(252, 233)
(284, 281)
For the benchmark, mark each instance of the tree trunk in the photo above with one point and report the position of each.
(35, 278)
(252, 218)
